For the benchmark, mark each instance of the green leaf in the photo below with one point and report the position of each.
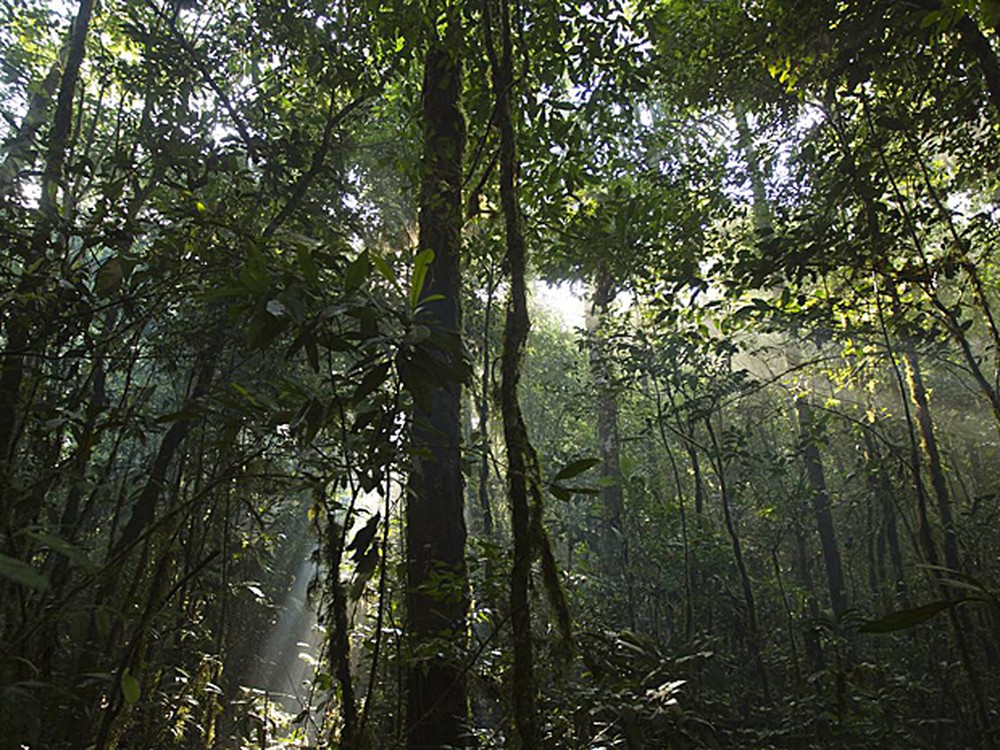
(372, 380)
(958, 580)
(575, 468)
(324, 681)
(584, 490)
(949, 574)
(907, 618)
(432, 298)
(102, 622)
(384, 269)
(990, 10)
(179, 416)
(308, 266)
(78, 623)
(263, 328)
(311, 417)
(560, 493)
(130, 688)
(414, 381)
(109, 278)
(60, 545)
(931, 18)
(421, 265)
(417, 334)
(22, 573)
(222, 292)
(312, 352)
(357, 272)
(364, 419)
(254, 275)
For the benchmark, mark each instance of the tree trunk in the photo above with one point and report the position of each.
(928, 442)
(484, 412)
(437, 583)
(821, 508)
(609, 444)
(340, 635)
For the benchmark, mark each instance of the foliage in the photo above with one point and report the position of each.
(214, 322)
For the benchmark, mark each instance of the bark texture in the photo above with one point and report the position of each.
(437, 586)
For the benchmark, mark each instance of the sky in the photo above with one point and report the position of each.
(564, 300)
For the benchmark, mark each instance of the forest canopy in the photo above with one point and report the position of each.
(296, 450)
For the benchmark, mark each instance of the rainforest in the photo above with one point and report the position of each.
(451, 374)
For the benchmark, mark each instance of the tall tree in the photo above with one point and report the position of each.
(608, 438)
(437, 587)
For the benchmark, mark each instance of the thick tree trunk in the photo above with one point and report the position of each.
(437, 584)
